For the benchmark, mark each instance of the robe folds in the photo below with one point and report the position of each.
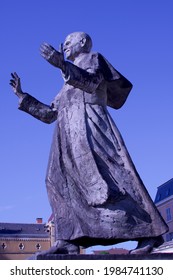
(96, 195)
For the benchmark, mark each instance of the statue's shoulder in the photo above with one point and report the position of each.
(95, 56)
(92, 60)
(88, 60)
(99, 60)
(89, 56)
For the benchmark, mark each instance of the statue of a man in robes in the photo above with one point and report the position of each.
(95, 192)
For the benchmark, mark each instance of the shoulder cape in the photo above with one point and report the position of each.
(118, 87)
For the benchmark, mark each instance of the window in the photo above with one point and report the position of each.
(159, 197)
(38, 246)
(167, 192)
(168, 215)
(21, 246)
(169, 236)
(4, 246)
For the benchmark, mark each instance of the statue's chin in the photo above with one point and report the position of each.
(68, 58)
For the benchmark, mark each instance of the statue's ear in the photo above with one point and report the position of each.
(83, 42)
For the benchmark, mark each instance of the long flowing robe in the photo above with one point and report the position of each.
(95, 192)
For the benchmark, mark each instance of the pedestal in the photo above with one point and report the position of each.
(156, 256)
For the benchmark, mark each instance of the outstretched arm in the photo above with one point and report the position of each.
(54, 57)
(87, 80)
(31, 105)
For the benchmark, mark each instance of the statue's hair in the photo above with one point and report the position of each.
(88, 44)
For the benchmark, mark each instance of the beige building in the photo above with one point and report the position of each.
(19, 241)
(164, 203)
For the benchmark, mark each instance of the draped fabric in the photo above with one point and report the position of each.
(95, 192)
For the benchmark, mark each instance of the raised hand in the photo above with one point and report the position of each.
(16, 85)
(54, 57)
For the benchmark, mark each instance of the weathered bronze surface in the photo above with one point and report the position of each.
(95, 192)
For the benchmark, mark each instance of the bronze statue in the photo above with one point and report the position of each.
(95, 192)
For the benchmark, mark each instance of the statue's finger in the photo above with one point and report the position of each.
(44, 55)
(11, 83)
(44, 50)
(47, 47)
(16, 76)
(43, 47)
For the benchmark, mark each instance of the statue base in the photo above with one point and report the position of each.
(155, 256)
(163, 252)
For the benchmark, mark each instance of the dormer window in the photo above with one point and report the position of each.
(167, 192)
(168, 214)
(159, 197)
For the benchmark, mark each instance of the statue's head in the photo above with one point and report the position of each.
(77, 43)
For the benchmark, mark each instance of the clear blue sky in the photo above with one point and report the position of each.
(136, 37)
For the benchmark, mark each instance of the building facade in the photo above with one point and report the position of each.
(164, 203)
(19, 241)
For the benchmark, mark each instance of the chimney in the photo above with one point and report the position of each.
(39, 220)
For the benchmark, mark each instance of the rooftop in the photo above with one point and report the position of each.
(164, 191)
(17, 230)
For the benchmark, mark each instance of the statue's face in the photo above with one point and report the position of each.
(73, 46)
